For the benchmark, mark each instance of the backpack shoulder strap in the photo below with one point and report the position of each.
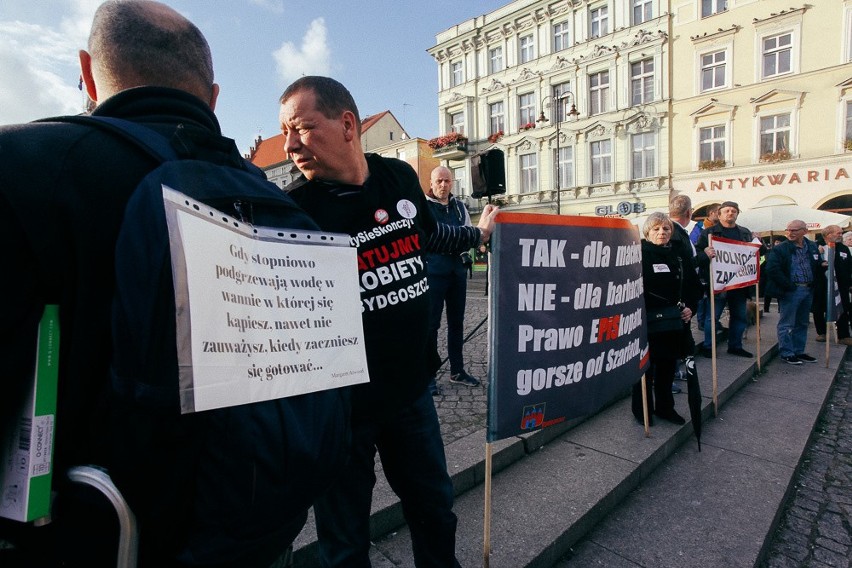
(147, 139)
(152, 142)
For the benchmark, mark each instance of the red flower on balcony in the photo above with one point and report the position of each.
(527, 126)
(496, 136)
(447, 140)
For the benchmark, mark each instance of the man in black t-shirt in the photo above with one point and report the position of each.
(379, 203)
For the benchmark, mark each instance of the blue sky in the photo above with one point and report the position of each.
(377, 48)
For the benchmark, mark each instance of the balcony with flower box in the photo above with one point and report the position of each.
(452, 146)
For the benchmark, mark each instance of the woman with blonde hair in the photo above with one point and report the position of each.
(672, 291)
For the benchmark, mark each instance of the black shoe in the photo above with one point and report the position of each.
(806, 358)
(463, 378)
(707, 352)
(672, 416)
(740, 352)
(792, 360)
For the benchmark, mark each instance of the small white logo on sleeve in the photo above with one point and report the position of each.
(406, 209)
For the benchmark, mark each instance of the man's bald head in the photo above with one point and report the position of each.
(135, 43)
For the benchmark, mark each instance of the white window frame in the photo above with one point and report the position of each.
(645, 10)
(528, 172)
(715, 138)
(526, 109)
(644, 78)
(456, 120)
(496, 120)
(459, 181)
(600, 161)
(526, 48)
(561, 36)
(709, 8)
(561, 106)
(847, 122)
(776, 53)
(456, 73)
(495, 59)
(646, 153)
(599, 93)
(599, 21)
(713, 66)
(774, 130)
(563, 163)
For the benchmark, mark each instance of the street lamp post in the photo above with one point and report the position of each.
(572, 116)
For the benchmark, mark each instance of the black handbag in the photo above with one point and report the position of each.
(667, 318)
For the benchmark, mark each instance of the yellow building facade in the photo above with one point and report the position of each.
(762, 103)
(743, 100)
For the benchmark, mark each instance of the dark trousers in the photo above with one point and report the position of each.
(409, 444)
(449, 289)
(818, 310)
(736, 301)
(659, 379)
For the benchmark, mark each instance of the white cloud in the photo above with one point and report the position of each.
(39, 65)
(313, 57)
(274, 6)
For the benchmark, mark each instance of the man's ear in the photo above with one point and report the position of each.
(86, 75)
(214, 95)
(350, 126)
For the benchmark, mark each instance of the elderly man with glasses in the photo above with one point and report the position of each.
(792, 268)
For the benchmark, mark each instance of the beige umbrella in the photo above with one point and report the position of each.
(772, 216)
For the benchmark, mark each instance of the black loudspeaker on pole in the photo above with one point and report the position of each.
(488, 170)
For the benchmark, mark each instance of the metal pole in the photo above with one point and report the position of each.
(558, 176)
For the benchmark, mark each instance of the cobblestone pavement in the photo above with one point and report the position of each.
(462, 409)
(816, 526)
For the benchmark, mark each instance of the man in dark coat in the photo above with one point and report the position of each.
(735, 299)
(63, 192)
(447, 274)
(791, 270)
(842, 267)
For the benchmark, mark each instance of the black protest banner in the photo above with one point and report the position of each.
(566, 319)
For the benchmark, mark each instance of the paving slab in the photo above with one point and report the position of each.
(532, 502)
(691, 512)
(720, 507)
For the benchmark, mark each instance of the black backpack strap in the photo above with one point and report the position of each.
(161, 148)
(152, 142)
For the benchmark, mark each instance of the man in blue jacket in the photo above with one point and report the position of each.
(792, 268)
(447, 275)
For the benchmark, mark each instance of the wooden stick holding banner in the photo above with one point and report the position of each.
(645, 412)
(713, 331)
(734, 265)
(757, 319)
(486, 537)
(830, 310)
